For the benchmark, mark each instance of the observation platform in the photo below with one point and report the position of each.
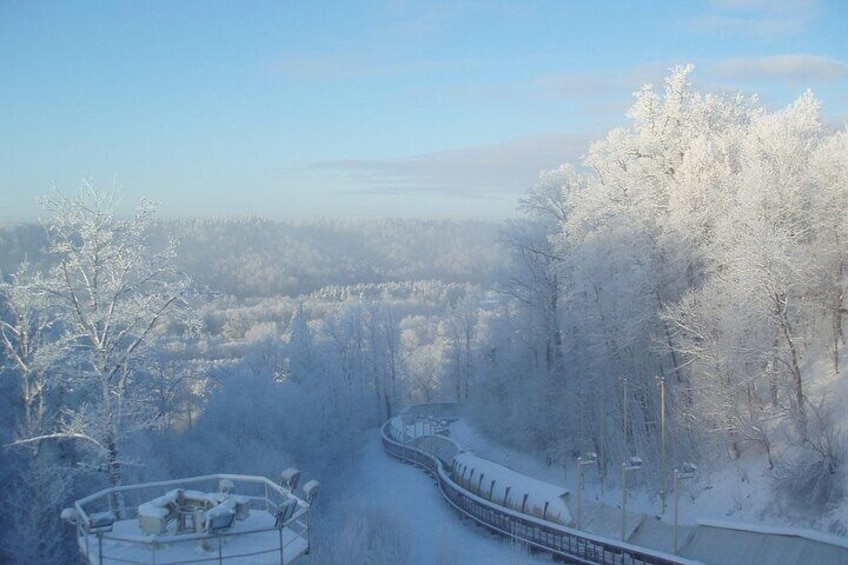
(224, 519)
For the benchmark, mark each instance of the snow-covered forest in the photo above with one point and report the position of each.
(700, 247)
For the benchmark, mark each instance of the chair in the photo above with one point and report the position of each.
(284, 513)
(219, 518)
(101, 522)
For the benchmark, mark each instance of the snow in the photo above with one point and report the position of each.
(125, 545)
(734, 544)
(777, 531)
(439, 535)
(465, 434)
(739, 489)
(502, 485)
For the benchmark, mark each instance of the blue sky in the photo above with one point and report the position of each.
(292, 109)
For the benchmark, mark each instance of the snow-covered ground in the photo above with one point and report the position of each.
(404, 501)
(438, 533)
(739, 492)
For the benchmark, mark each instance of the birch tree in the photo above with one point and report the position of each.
(25, 324)
(39, 478)
(111, 291)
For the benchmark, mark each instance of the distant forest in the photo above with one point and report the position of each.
(256, 258)
(696, 256)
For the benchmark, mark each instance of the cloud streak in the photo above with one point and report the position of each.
(788, 68)
(509, 168)
(606, 84)
(763, 19)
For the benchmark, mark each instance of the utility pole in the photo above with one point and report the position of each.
(664, 478)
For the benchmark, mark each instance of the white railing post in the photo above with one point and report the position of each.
(688, 473)
(635, 463)
(591, 459)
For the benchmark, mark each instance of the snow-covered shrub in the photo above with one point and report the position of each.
(364, 533)
(813, 476)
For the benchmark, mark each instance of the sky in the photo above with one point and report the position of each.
(366, 108)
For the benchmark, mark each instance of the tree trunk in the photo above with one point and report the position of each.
(838, 310)
(113, 469)
(795, 369)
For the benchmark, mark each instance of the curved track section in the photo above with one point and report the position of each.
(571, 546)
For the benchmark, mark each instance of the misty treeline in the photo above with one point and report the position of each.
(135, 349)
(702, 244)
(255, 257)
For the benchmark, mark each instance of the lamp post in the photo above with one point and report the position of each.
(591, 459)
(688, 473)
(664, 478)
(624, 412)
(602, 445)
(633, 464)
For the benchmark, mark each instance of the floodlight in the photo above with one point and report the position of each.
(289, 478)
(70, 515)
(310, 491)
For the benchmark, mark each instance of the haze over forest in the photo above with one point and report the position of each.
(701, 242)
(239, 238)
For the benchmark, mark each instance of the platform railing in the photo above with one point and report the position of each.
(96, 514)
(572, 546)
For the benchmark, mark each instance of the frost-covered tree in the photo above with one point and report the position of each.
(39, 478)
(386, 358)
(771, 269)
(110, 291)
(829, 172)
(26, 325)
(702, 242)
(459, 334)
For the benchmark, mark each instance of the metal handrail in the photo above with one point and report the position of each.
(269, 497)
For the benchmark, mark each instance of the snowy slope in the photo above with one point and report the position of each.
(737, 496)
(439, 535)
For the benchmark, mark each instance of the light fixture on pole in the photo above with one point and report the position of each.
(688, 472)
(633, 464)
(591, 459)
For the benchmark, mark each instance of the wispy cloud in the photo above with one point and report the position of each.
(589, 85)
(764, 19)
(787, 68)
(604, 96)
(608, 83)
(507, 168)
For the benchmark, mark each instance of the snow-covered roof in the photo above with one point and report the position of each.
(509, 488)
(733, 543)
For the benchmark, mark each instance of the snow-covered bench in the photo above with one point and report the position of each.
(242, 506)
(101, 521)
(209, 500)
(220, 517)
(202, 511)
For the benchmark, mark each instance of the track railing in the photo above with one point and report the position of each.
(572, 546)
